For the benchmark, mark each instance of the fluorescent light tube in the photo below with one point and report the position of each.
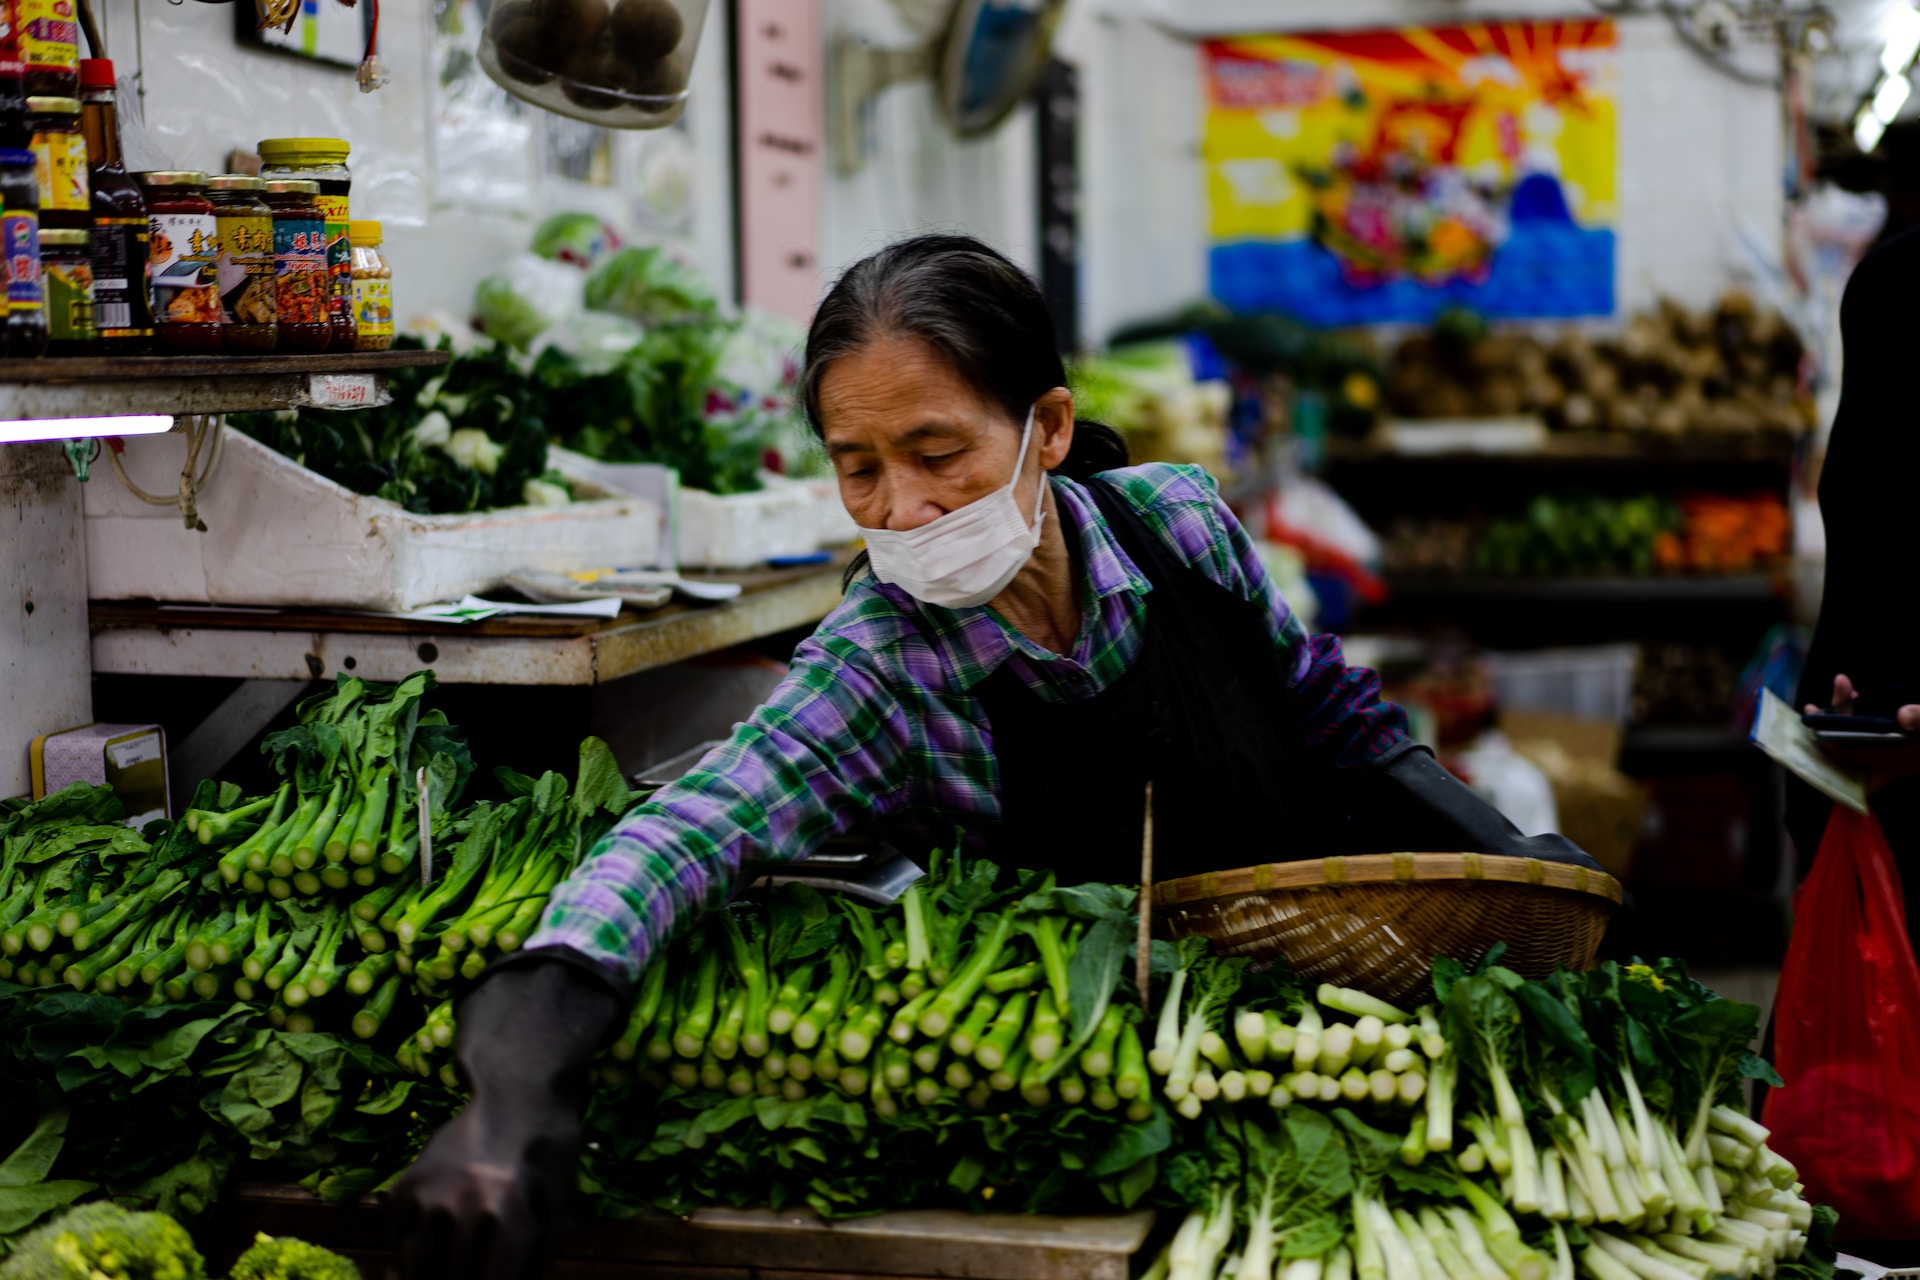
(1867, 129)
(24, 429)
(1890, 97)
(1903, 41)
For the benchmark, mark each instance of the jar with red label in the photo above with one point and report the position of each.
(47, 35)
(303, 290)
(183, 261)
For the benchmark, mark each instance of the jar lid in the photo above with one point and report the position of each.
(172, 178)
(304, 150)
(54, 106)
(363, 231)
(96, 73)
(234, 182)
(65, 236)
(292, 187)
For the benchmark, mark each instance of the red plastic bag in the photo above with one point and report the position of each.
(1846, 1038)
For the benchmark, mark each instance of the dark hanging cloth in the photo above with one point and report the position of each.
(1205, 712)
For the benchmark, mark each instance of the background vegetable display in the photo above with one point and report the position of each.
(620, 354)
(268, 982)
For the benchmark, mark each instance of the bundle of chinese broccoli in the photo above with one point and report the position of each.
(315, 891)
(1589, 1124)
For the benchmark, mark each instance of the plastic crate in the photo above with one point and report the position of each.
(1593, 683)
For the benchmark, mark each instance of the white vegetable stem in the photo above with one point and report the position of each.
(1358, 1004)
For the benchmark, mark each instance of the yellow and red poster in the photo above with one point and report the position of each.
(1368, 176)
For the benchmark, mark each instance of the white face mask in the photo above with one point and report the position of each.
(967, 556)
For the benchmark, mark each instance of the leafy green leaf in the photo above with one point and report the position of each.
(21, 1207)
(33, 1159)
(388, 1100)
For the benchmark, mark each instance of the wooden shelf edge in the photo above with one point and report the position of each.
(53, 369)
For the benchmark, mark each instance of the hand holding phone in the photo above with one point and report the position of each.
(1884, 746)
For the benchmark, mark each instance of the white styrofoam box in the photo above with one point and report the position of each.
(650, 480)
(836, 526)
(279, 534)
(1593, 682)
(740, 530)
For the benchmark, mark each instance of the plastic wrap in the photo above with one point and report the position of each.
(623, 64)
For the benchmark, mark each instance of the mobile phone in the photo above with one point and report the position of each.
(1859, 731)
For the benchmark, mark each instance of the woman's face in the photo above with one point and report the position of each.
(910, 440)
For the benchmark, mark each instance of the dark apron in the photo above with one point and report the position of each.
(1204, 711)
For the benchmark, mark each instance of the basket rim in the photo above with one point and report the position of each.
(1386, 868)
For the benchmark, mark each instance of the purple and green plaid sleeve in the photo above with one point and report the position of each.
(876, 724)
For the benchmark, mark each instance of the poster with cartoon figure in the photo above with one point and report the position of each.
(1373, 176)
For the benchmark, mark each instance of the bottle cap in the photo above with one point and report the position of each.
(96, 73)
(171, 178)
(54, 106)
(65, 238)
(315, 151)
(234, 182)
(292, 186)
(363, 232)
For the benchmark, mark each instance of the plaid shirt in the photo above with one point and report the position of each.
(876, 723)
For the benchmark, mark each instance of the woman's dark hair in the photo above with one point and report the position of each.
(984, 315)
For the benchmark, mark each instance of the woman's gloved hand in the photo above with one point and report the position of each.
(487, 1197)
(1457, 812)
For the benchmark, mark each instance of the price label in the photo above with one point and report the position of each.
(343, 391)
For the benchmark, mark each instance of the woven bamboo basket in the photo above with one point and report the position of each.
(1376, 921)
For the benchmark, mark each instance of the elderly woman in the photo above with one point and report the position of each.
(1039, 631)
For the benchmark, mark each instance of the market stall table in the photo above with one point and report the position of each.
(274, 644)
(739, 1244)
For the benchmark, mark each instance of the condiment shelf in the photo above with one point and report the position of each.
(273, 644)
(104, 386)
(739, 1244)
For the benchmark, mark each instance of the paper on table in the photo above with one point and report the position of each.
(474, 609)
(564, 588)
(642, 579)
(1780, 732)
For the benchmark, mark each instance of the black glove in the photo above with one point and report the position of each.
(487, 1196)
(1449, 810)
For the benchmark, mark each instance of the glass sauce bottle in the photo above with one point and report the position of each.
(323, 160)
(183, 261)
(300, 265)
(248, 292)
(122, 312)
(67, 273)
(26, 333)
(60, 163)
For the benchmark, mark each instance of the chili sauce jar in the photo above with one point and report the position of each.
(249, 292)
(372, 289)
(323, 160)
(60, 162)
(183, 261)
(66, 261)
(300, 265)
